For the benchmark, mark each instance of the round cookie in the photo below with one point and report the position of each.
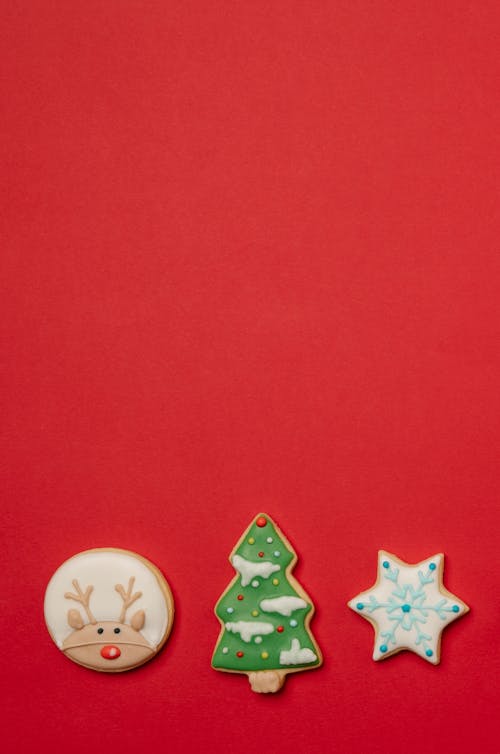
(108, 609)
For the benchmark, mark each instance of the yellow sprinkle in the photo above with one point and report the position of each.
(255, 612)
(251, 541)
(264, 655)
(276, 582)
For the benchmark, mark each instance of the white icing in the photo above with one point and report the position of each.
(297, 655)
(103, 570)
(248, 629)
(249, 570)
(282, 605)
(427, 609)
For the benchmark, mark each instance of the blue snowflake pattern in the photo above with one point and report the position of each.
(407, 608)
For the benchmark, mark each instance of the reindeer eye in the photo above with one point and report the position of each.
(100, 630)
(117, 630)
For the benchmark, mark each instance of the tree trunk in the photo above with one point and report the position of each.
(266, 681)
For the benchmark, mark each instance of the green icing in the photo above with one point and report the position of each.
(277, 641)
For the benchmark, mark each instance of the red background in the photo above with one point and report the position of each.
(250, 261)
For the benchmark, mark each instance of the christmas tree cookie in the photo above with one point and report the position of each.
(409, 607)
(265, 613)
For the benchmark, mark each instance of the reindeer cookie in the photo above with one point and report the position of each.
(108, 609)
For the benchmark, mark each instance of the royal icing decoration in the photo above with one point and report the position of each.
(256, 640)
(297, 655)
(249, 570)
(409, 607)
(282, 605)
(248, 629)
(109, 610)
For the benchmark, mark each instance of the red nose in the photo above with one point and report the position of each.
(109, 652)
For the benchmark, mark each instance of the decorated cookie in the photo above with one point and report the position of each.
(409, 607)
(109, 610)
(265, 613)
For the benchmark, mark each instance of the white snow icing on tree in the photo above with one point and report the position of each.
(249, 570)
(248, 629)
(297, 655)
(282, 605)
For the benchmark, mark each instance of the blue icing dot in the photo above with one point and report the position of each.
(455, 609)
(230, 610)
(432, 566)
(386, 565)
(406, 608)
(276, 553)
(293, 623)
(360, 606)
(383, 647)
(429, 652)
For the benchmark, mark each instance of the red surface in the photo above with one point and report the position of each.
(250, 262)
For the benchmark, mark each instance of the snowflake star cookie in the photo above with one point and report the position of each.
(264, 612)
(409, 607)
(108, 609)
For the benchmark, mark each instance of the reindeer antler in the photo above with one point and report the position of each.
(82, 597)
(127, 597)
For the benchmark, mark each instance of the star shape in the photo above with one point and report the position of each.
(409, 607)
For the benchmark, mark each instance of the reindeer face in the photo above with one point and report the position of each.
(108, 645)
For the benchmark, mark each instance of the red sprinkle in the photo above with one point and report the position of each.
(239, 654)
(261, 521)
(240, 596)
(261, 554)
(280, 629)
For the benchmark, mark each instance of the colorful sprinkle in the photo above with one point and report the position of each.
(240, 654)
(432, 567)
(276, 553)
(258, 640)
(255, 583)
(383, 647)
(264, 655)
(293, 623)
(251, 541)
(276, 582)
(240, 597)
(280, 629)
(269, 540)
(225, 650)
(230, 610)
(255, 613)
(385, 564)
(261, 521)
(406, 608)
(359, 606)
(261, 554)
(455, 609)
(429, 652)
